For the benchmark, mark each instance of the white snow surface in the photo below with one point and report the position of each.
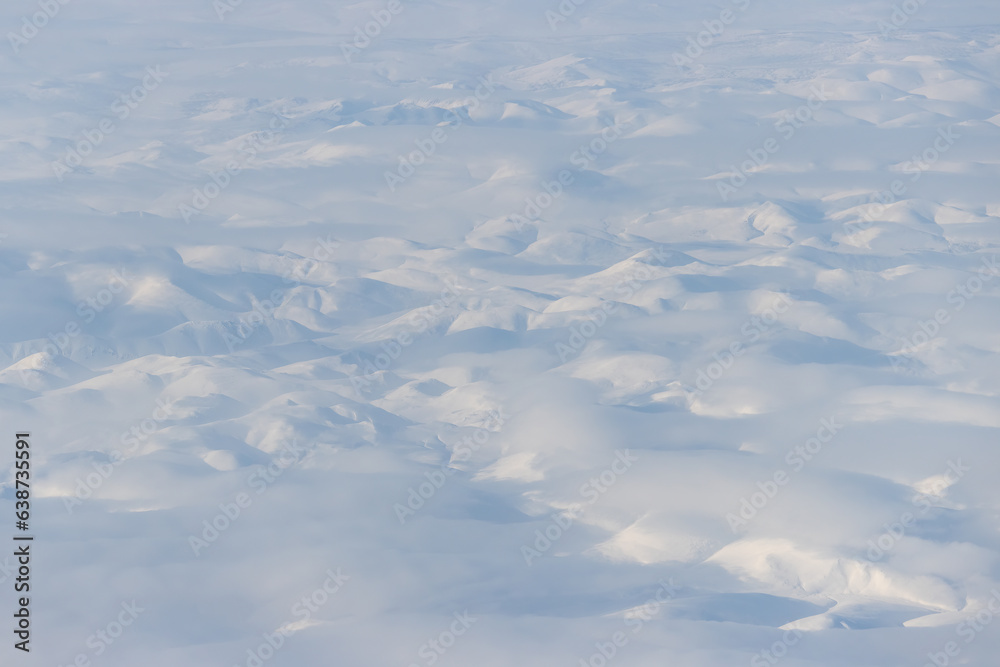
(750, 334)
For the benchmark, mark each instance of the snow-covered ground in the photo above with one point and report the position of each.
(506, 334)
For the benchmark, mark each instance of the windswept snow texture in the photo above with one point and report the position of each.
(461, 332)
